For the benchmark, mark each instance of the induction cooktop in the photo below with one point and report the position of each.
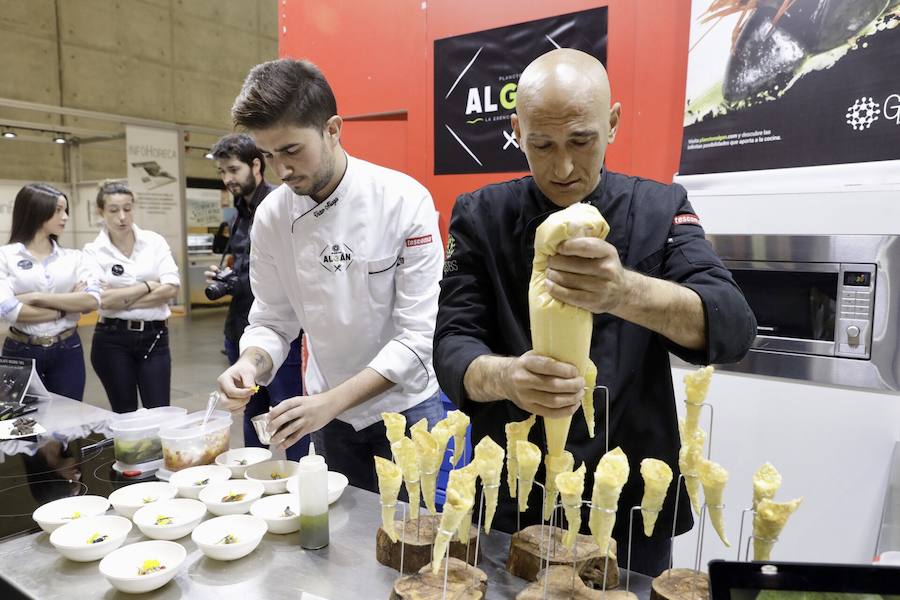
(55, 470)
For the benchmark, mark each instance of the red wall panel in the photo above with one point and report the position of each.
(378, 55)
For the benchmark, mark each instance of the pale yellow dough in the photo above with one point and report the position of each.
(766, 482)
(713, 476)
(395, 425)
(768, 522)
(460, 499)
(489, 460)
(609, 477)
(515, 432)
(529, 458)
(408, 459)
(657, 478)
(389, 479)
(571, 488)
(563, 331)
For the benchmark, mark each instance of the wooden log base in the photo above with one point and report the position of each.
(680, 584)
(417, 550)
(464, 582)
(560, 586)
(525, 556)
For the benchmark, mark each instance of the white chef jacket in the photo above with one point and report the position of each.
(21, 272)
(359, 273)
(150, 260)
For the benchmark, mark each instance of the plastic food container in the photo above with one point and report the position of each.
(136, 434)
(188, 444)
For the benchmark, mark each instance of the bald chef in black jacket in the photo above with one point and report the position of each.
(655, 286)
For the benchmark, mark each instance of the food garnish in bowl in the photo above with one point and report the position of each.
(242, 462)
(288, 512)
(149, 499)
(233, 497)
(150, 566)
(228, 539)
(97, 538)
(202, 482)
(163, 520)
(74, 515)
(276, 475)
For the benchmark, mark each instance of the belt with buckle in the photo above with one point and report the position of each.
(39, 340)
(132, 325)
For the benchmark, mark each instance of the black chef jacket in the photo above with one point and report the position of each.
(239, 246)
(483, 309)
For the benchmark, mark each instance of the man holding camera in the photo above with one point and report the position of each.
(241, 166)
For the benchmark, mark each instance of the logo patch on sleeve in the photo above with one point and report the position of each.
(422, 240)
(686, 219)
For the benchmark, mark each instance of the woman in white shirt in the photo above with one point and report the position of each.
(44, 289)
(139, 277)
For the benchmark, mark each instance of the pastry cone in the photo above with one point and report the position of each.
(459, 422)
(696, 385)
(571, 488)
(458, 505)
(609, 478)
(529, 458)
(468, 474)
(515, 432)
(768, 522)
(408, 460)
(558, 330)
(489, 458)
(713, 476)
(389, 478)
(587, 401)
(688, 460)
(766, 482)
(430, 458)
(420, 425)
(442, 433)
(395, 426)
(657, 478)
(554, 465)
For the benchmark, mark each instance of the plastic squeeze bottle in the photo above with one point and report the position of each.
(312, 478)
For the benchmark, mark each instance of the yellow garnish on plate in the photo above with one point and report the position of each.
(202, 482)
(97, 538)
(276, 475)
(74, 515)
(148, 499)
(150, 566)
(241, 462)
(233, 497)
(228, 539)
(163, 520)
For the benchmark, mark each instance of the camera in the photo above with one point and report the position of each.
(223, 283)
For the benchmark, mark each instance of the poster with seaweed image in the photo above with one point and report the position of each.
(791, 83)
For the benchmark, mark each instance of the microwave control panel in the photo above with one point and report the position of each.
(856, 297)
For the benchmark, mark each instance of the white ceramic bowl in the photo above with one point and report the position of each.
(121, 567)
(271, 510)
(129, 499)
(185, 514)
(190, 481)
(273, 474)
(59, 512)
(240, 459)
(72, 539)
(212, 496)
(247, 530)
(337, 482)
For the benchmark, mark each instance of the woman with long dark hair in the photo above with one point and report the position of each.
(44, 288)
(139, 277)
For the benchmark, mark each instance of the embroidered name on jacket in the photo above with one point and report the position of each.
(336, 257)
(321, 211)
(686, 219)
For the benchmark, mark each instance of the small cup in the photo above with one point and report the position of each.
(260, 425)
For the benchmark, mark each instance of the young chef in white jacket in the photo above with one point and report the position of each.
(348, 251)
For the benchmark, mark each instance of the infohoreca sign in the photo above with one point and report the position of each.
(475, 80)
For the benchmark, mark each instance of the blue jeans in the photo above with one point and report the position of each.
(286, 384)
(352, 452)
(130, 361)
(60, 366)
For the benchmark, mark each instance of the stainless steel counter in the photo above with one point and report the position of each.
(278, 568)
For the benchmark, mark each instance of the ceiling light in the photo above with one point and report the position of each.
(59, 139)
(9, 134)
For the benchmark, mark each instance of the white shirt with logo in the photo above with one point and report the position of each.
(150, 260)
(59, 273)
(359, 273)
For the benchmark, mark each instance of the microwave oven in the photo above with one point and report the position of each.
(827, 307)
